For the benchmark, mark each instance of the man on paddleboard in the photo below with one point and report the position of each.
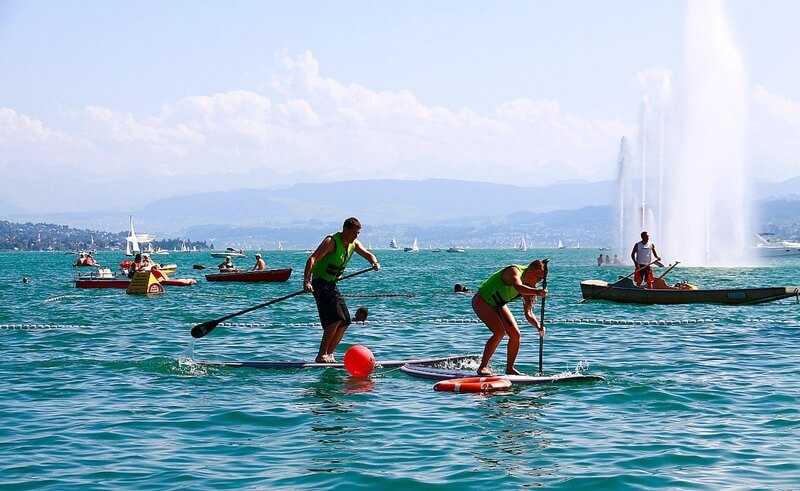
(326, 264)
(506, 285)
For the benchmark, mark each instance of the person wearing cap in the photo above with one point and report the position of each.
(260, 264)
(227, 265)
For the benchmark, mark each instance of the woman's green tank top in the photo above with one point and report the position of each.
(496, 292)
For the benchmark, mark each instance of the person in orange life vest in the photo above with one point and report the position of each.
(504, 286)
(642, 255)
(327, 263)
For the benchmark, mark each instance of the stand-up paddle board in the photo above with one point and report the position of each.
(432, 373)
(311, 364)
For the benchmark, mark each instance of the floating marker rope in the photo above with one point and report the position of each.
(379, 295)
(38, 326)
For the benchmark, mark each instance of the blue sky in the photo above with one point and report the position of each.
(200, 96)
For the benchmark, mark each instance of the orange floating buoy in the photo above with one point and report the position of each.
(473, 384)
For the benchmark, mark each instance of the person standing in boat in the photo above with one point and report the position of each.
(642, 256)
(489, 304)
(260, 264)
(326, 264)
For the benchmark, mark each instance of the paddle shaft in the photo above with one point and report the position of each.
(541, 321)
(668, 270)
(615, 283)
(204, 328)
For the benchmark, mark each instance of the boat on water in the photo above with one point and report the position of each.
(414, 247)
(264, 275)
(627, 292)
(104, 278)
(230, 251)
(393, 244)
(771, 246)
(561, 245)
(136, 243)
(455, 249)
(280, 247)
(522, 246)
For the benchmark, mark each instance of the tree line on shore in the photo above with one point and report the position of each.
(51, 237)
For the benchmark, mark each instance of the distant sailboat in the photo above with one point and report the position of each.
(393, 244)
(280, 246)
(414, 247)
(560, 245)
(135, 242)
(523, 246)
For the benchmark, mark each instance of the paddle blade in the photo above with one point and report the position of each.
(204, 328)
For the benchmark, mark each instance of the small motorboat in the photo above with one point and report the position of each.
(230, 251)
(264, 275)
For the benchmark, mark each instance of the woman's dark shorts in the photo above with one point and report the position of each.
(330, 303)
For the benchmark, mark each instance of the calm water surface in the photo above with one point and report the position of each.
(93, 393)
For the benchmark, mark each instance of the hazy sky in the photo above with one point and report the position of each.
(113, 104)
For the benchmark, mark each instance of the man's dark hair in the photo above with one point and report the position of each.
(351, 223)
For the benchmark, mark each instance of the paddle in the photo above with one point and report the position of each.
(598, 292)
(668, 270)
(541, 322)
(206, 327)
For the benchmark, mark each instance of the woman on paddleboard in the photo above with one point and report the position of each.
(506, 285)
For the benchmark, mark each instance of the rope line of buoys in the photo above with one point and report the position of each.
(379, 295)
(38, 326)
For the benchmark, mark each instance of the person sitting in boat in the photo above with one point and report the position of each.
(642, 255)
(80, 261)
(260, 264)
(227, 265)
(505, 285)
(140, 263)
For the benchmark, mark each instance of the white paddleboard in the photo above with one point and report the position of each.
(432, 373)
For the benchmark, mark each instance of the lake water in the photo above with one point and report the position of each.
(93, 393)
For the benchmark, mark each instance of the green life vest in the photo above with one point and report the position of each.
(496, 292)
(331, 267)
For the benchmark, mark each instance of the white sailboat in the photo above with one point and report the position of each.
(560, 245)
(184, 248)
(414, 247)
(280, 246)
(393, 244)
(523, 246)
(136, 243)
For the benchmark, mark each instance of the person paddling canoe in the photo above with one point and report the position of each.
(327, 263)
(506, 285)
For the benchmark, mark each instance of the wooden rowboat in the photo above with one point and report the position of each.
(599, 290)
(271, 275)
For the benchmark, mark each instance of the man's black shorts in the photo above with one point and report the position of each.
(330, 303)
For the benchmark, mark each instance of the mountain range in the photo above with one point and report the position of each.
(441, 210)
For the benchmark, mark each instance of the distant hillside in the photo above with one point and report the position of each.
(443, 210)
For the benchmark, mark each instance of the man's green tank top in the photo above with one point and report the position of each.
(331, 267)
(496, 292)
